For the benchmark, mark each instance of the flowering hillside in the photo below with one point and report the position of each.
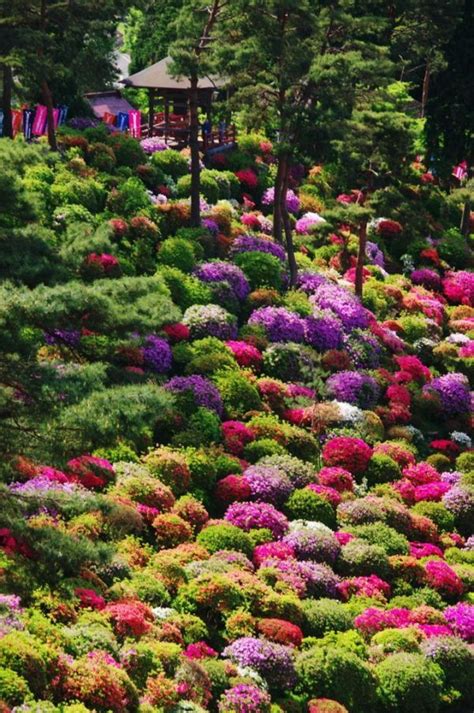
(227, 487)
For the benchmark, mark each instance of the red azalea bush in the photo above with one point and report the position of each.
(91, 472)
(281, 631)
(352, 454)
(130, 617)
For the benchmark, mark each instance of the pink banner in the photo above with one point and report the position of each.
(17, 117)
(55, 117)
(39, 123)
(135, 126)
(460, 171)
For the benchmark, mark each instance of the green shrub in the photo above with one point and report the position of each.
(437, 512)
(453, 248)
(465, 462)
(89, 633)
(13, 688)
(209, 187)
(359, 559)
(238, 394)
(86, 192)
(305, 504)
(262, 448)
(129, 198)
(324, 615)
(225, 537)
(378, 533)
(456, 660)
(171, 162)
(392, 641)
(202, 429)
(382, 469)
(144, 586)
(102, 157)
(333, 672)
(185, 290)
(127, 150)
(414, 327)
(177, 252)
(28, 658)
(260, 269)
(409, 683)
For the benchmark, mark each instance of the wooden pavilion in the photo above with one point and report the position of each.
(173, 123)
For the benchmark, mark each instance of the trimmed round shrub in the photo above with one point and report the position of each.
(13, 688)
(334, 672)
(305, 504)
(409, 683)
(456, 660)
(239, 395)
(171, 162)
(177, 252)
(324, 615)
(391, 641)
(437, 512)
(260, 269)
(225, 537)
(262, 448)
(382, 469)
(378, 533)
(359, 558)
(27, 657)
(245, 698)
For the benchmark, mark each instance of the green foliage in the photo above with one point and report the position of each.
(409, 683)
(305, 504)
(238, 394)
(262, 448)
(13, 688)
(321, 670)
(382, 469)
(453, 248)
(378, 533)
(225, 537)
(171, 162)
(325, 615)
(437, 512)
(359, 559)
(178, 253)
(260, 269)
(28, 658)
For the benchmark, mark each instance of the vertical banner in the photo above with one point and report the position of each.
(108, 118)
(135, 123)
(62, 115)
(39, 123)
(17, 116)
(2, 118)
(122, 121)
(55, 118)
(28, 116)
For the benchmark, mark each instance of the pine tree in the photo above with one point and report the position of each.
(195, 27)
(301, 65)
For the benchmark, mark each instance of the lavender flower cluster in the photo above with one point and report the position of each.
(219, 271)
(274, 662)
(210, 321)
(250, 243)
(157, 354)
(201, 389)
(454, 394)
(355, 388)
(280, 324)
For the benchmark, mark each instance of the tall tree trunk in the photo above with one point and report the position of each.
(426, 89)
(290, 248)
(48, 100)
(7, 101)
(194, 146)
(277, 201)
(359, 282)
(466, 218)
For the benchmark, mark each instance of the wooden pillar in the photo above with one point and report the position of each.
(167, 115)
(151, 111)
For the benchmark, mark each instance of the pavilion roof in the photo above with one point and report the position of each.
(157, 76)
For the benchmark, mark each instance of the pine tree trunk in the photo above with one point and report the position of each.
(290, 248)
(466, 218)
(277, 201)
(359, 282)
(7, 101)
(425, 90)
(195, 160)
(48, 100)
